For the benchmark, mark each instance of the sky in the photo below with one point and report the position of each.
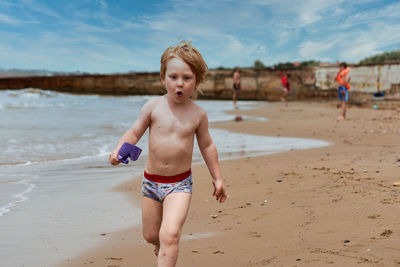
(104, 36)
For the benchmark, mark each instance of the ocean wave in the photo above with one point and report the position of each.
(32, 93)
(17, 198)
(31, 106)
(54, 161)
(30, 98)
(16, 163)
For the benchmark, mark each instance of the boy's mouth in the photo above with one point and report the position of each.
(179, 93)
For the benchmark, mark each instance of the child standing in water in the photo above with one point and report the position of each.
(173, 120)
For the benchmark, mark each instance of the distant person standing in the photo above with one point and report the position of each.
(343, 80)
(286, 87)
(236, 85)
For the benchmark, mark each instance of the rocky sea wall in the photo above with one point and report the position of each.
(317, 82)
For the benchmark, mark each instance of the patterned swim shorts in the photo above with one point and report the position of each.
(159, 190)
(343, 93)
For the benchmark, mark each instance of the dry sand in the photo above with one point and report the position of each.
(331, 206)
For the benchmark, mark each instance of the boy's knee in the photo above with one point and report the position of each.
(169, 237)
(151, 238)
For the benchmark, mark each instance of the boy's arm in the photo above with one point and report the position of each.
(209, 152)
(133, 134)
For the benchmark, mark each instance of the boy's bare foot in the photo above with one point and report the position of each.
(340, 118)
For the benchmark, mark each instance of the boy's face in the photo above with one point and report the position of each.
(180, 81)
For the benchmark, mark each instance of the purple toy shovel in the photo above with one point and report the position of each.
(128, 151)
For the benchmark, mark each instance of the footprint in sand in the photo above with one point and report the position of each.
(254, 234)
(260, 216)
(386, 233)
(375, 216)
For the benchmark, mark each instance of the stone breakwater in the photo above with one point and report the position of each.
(108, 84)
(256, 84)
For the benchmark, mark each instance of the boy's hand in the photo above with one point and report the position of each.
(219, 191)
(113, 158)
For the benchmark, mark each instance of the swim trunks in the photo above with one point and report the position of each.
(236, 86)
(343, 93)
(158, 187)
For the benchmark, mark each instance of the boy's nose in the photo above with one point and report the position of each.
(180, 82)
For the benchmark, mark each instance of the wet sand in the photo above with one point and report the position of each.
(330, 206)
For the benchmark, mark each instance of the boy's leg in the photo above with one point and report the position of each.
(175, 209)
(343, 95)
(344, 109)
(151, 221)
(283, 97)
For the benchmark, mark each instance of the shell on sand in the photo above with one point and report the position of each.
(396, 183)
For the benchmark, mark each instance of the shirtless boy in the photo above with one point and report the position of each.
(236, 85)
(173, 120)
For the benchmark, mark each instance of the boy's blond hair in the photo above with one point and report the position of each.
(191, 56)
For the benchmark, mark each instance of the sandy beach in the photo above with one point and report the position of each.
(330, 206)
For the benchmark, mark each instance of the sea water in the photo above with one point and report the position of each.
(55, 180)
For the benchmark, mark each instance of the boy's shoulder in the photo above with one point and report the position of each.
(201, 113)
(154, 101)
(151, 105)
(196, 106)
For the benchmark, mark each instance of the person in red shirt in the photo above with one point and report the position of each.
(343, 81)
(286, 87)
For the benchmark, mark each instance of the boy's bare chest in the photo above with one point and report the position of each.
(167, 121)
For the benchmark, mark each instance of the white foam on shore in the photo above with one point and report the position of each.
(17, 198)
(197, 236)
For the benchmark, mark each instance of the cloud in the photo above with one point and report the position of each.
(227, 32)
(70, 52)
(102, 3)
(314, 50)
(353, 45)
(39, 8)
(372, 41)
(386, 13)
(130, 25)
(6, 19)
(308, 16)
